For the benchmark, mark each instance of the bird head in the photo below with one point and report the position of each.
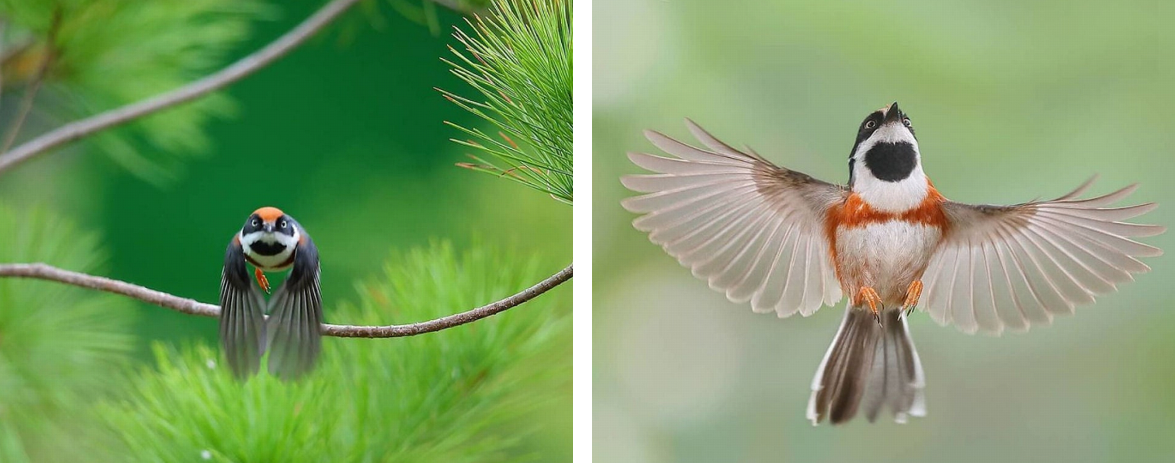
(270, 225)
(885, 161)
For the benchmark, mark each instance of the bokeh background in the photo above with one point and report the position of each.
(346, 134)
(1012, 101)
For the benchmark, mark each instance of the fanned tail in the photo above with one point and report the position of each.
(869, 364)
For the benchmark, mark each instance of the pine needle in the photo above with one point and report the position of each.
(519, 60)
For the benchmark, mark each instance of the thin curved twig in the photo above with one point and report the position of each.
(193, 307)
(234, 72)
(26, 104)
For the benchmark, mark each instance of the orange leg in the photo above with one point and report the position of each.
(912, 294)
(870, 296)
(261, 280)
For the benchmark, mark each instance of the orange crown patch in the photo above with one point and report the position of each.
(269, 214)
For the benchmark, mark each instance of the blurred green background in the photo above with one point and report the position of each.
(346, 134)
(1012, 101)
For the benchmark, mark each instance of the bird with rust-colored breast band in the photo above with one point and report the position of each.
(271, 241)
(789, 243)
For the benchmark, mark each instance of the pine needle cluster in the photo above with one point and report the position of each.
(519, 60)
(60, 346)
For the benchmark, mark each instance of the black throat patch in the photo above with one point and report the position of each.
(267, 249)
(891, 162)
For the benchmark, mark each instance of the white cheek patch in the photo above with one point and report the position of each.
(251, 238)
(886, 196)
(270, 238)
(285, 239)
(273, 262)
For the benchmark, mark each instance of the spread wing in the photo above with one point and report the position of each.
(1016, 266)
(753, 230)
(296, 318)
(242, 315)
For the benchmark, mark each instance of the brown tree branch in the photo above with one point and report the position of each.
(234, 72)
(194, 307)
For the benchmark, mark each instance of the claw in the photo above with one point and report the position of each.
(261, 280)
(912, 294)
(870, 296)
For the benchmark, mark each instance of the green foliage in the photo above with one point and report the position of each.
(519, 59)
(112, 52)
(58, 345)
(438, 397)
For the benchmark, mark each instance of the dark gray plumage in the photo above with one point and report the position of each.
(295, 317)
(291, 335)
(242, 315)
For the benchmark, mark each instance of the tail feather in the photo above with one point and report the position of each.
(867, 363)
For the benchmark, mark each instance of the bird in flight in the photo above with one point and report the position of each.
(271, 241)
(788, 243)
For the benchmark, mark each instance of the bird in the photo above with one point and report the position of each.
(271, 241)
(789, 243)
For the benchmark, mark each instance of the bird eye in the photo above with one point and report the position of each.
(283, 224)
(254, 222)
(870, 124)
(907, 122)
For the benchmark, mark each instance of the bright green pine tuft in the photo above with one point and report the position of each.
(115, 52)
(519, 59)
(452, 396)
(59, 346)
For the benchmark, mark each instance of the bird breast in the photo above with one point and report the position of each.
(886, 256)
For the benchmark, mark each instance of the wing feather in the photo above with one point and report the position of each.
(1017, 266)
(937, 302)
(756, 276)
(983, 297)
(753, 230)
(1021, 291)
(242, 315)
(771, 290)
(1008, 310)
(742, 265)
(296, 318)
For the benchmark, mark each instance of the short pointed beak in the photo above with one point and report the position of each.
(893, 113)
(268, 228)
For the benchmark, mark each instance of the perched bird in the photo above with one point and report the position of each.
(271, 241)
(790, 243)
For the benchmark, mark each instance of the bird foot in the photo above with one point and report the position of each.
(870, 297)
(912, 294)
(261, 280)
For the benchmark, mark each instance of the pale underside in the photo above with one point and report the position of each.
(885, 256)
